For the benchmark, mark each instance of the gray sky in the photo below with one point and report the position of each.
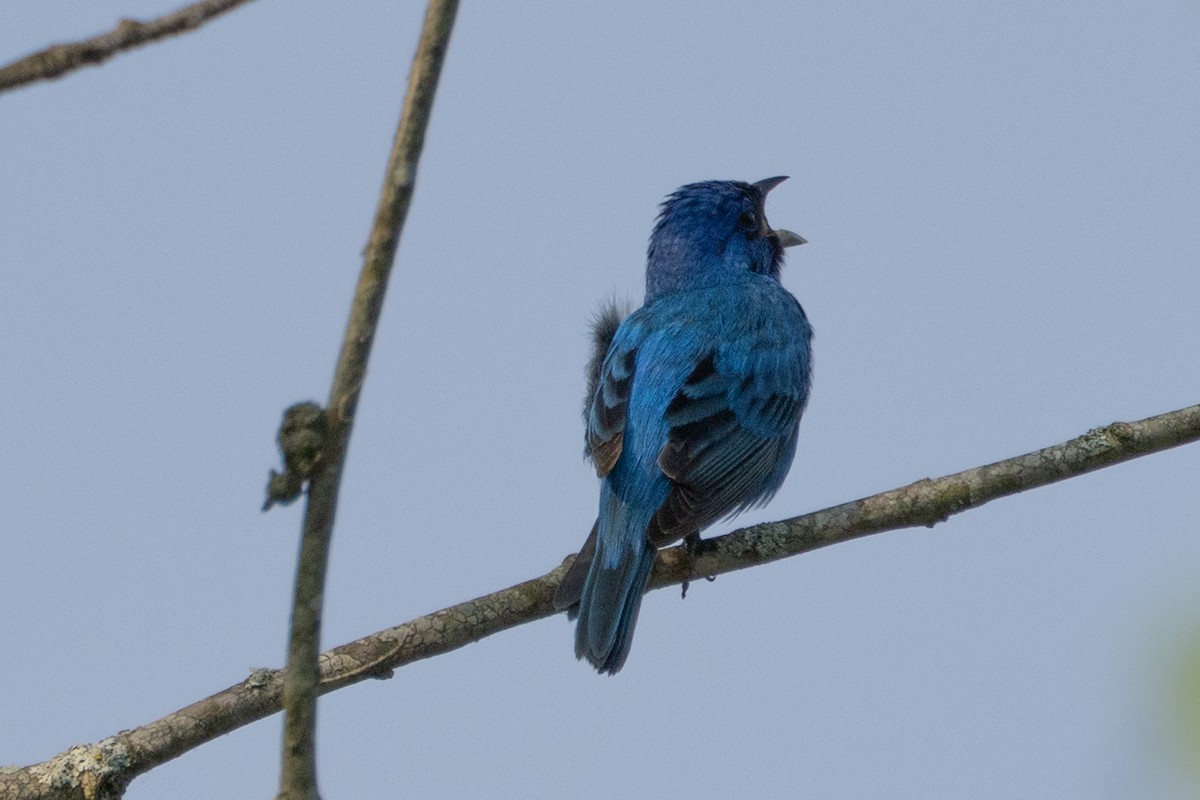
(1003, 207)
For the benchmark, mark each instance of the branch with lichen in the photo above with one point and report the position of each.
(59, 59)
(113, 762)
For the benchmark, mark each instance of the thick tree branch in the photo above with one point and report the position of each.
(117, 760)
(298, 778)
(59, 59)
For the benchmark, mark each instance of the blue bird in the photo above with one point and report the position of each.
(694, 400)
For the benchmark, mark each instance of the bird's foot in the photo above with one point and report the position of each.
(694, 546)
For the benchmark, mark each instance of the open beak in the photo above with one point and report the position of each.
(786, 238)
(767, 184)
(789, 239)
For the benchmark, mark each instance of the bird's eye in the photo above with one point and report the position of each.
(748, 221)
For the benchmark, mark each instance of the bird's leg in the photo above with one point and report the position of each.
(694, 546)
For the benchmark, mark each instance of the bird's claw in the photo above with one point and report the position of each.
(694, 546)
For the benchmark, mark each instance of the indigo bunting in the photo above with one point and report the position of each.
(694, 400)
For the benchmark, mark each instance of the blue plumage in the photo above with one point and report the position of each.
(694, 400)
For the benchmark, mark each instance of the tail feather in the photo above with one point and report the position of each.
(609, 605)
(566, 597)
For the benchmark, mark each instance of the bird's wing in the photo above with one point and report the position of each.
(610, 396)
(732, 432)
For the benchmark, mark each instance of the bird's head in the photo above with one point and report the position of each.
(714, 232)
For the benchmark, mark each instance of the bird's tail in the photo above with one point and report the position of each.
(612, 592)
(566, 596)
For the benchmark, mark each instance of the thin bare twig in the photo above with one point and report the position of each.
(117, 760)
(59, 59)
(298, 776)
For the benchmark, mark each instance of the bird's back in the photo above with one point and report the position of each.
(754, 339)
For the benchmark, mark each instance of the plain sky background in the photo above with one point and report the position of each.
(1003, 204)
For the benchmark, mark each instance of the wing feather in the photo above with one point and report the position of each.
(610, 401)
(732, 432)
